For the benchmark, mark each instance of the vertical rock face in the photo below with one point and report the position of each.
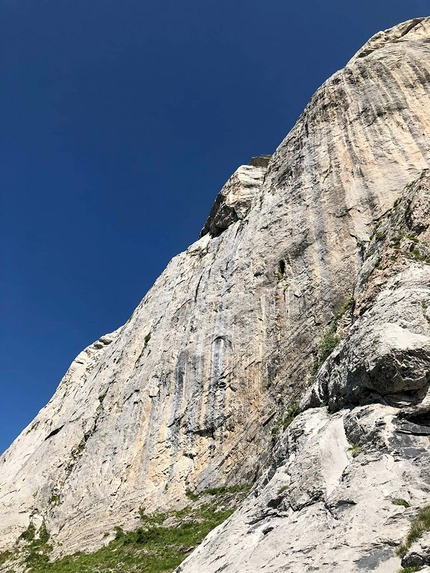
(183, 396)
(347, 480)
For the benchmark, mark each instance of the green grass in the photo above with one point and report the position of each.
(29, 533)
(148, 549)
(400, 501)
(36, 553)
(417, 255)
(328, 343)
(55, 499)
(292, 412)
(347, 305)
(152, 548)
(285, 420)
(396, 241)
(191, 495)
(5, 556)
(329, 340)
(418, 526)
(355, 450)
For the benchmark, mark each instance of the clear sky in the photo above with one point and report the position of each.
(120, 122)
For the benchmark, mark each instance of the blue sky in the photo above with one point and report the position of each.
(120, 122)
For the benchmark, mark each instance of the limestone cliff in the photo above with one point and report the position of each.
(350, 474)
(184, 395)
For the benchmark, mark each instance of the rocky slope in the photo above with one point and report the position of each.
(184, 395)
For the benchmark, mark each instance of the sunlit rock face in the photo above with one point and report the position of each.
(184, 395)
(326, 505)
(386, 351)
(351, 472)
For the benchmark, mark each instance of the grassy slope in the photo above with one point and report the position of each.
(161, 543)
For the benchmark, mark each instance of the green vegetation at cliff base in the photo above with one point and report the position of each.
(159, 545)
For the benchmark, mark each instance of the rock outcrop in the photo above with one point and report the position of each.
(185, 394)
(387, 349)
(235, 199)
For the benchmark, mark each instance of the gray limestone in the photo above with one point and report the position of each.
(326, 503)
(387, 348)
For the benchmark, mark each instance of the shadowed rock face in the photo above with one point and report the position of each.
(184, 394)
